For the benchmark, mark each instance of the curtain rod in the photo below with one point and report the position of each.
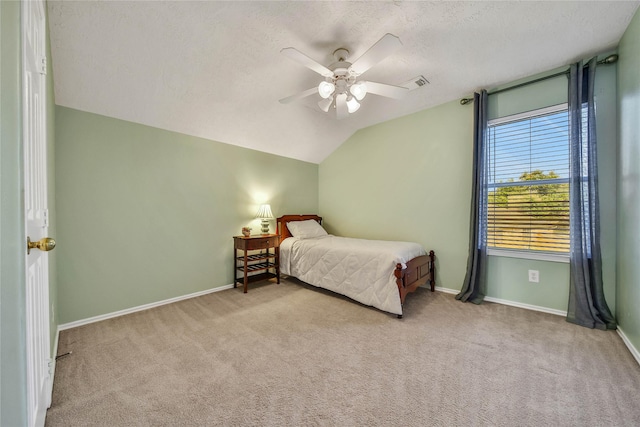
(611, 59)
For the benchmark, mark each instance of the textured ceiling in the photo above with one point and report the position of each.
(214, 69)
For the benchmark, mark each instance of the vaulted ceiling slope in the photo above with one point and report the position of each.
(213, 69)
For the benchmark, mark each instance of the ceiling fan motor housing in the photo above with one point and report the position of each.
(342, 76)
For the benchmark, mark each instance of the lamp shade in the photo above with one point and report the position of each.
(264, 212)
(325, 89)
(352, 104)
(359, 90)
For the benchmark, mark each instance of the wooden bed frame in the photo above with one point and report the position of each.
(418, 272)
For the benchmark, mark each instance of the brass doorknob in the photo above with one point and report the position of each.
(44, 244)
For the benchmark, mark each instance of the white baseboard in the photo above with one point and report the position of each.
(511, 303)
(527, 306)
(139, 308)
(634, 351)
(447, 290)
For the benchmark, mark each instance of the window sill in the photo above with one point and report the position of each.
(538, 256)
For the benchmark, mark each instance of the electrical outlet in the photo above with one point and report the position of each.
(534, 276)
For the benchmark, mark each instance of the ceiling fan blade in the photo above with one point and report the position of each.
(341, 106)
(300, 95)
(390, 91)
(303, 59)
(384, 47)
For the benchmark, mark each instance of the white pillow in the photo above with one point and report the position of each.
(306, 229)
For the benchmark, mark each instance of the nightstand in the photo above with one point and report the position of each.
(261, 254)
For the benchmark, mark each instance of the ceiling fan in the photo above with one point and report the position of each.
(341, 88)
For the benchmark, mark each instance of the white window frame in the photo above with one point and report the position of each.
(523, 254)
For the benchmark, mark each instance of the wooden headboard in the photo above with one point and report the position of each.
(281, 223)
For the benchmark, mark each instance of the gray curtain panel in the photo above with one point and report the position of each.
(587, 306)
(474, 286)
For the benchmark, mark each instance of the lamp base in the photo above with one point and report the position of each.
(265, 226)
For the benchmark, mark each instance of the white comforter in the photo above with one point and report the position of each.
(357, 268)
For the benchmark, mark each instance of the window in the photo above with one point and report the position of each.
(528, 182)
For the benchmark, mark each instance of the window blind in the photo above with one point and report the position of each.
(528, 182)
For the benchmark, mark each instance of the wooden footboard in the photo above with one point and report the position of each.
(419, 271)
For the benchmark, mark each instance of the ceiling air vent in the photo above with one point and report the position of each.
(415, 83)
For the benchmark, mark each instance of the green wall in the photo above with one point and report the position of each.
(13, 394)
(552, 91)
(146, 214)
(370, 188)
(406, 179)
(628, 290)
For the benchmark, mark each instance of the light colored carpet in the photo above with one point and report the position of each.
(290, 354)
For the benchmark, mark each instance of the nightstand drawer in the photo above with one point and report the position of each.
(256, 244)
(261, 243)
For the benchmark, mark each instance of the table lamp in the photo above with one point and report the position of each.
(264, 213)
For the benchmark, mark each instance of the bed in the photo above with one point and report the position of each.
(373, 272)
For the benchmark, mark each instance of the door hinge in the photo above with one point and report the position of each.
(45, 218)
(50, 363)
(43, 65)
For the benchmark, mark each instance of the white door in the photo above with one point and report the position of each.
(35, 208)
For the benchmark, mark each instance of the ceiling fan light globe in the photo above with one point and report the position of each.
(359, 90)
(352, 105)
(325, 89)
